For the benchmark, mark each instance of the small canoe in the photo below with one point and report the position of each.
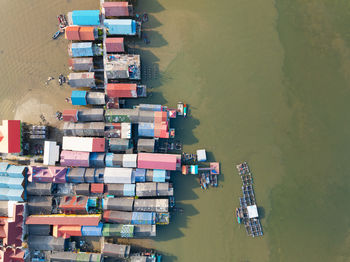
(180, 108)
(238, 217)
(57, 34)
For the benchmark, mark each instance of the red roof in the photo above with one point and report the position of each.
(74, 204)
(115, 44)
(14, 129)
(72, 33)
(12, 255)
(98, 144)
(11, 232)
(66, 231)
(116, 8)
(87, 33)
(157, 161)
(70, 115)
(97, 188)
(122, 90)
(78, 220)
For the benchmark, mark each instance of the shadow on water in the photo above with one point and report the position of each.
(150, 6)
(261, 212)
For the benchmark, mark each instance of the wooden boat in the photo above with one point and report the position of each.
(57, 34)
(180, 109)
(185, 110)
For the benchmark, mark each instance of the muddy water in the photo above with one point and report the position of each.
(266, 81)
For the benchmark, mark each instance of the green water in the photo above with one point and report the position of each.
(266, 81)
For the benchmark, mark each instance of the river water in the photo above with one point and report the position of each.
(266, 81)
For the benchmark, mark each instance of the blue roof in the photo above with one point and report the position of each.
(11, 182)
(11, 194)
(86, 17)
(15, 171)
(3, 167)
(159, 175)
(82, 49)
(78, 98)
(120, 26)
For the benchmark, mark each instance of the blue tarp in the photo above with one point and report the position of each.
(82, 49)
(140, 175)
(159, 175)
(86, 17)
(146, 129)
(15, 171)
(120, 26)
(109, 159)
(78, 98)
(92, 230)
(129, 190)
(143, 218)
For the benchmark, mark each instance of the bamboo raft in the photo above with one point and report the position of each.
(252, 225)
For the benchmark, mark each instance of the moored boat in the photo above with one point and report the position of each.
(57, 34)
(238, 216)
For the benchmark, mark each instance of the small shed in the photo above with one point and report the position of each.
(145, 231)
(140, 175)
(252, 211)
(120, 190)
(146, 189)
(78, 98)
(201, 155)
(40, 205)
(39, 189)
(119, 144)
(72, 33)
(126, 90)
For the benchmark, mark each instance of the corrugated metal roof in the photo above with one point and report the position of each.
(116, 8)
(82, 220)
(83, 144)
(118, 175)
(157, 161)
(86, 17)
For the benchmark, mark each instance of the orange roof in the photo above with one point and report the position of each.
(86, 33)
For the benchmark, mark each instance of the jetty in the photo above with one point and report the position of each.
(247, 213)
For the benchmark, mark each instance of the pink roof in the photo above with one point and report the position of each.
(64, 220)
(12, 255)
(157, 161)
(51, 174)
(116, 8)
(12, 231)
(115, 44)
(75, 158)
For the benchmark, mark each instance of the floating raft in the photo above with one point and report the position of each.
(247, 213)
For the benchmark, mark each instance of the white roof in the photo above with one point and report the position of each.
(126, 130)
(116, 175)
(51, 152)
(75, 143)
(201, 155)
(252, 211)
(130, 160)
